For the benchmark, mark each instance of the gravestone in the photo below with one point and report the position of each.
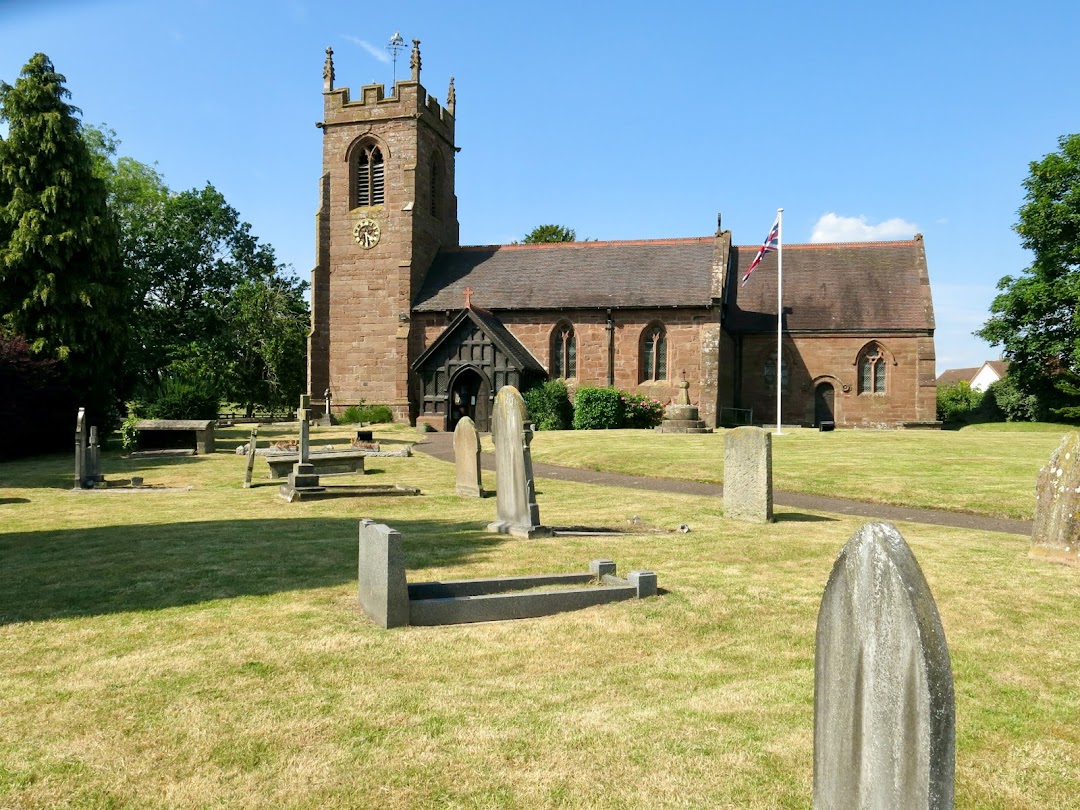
(884, 719)
(515, 491)
(327, 419)
(93, 458)
(303, 479)
(1055, 533)
(80, 449)
(253, 444)
(748, 493)
(381, 587)
(467, 459)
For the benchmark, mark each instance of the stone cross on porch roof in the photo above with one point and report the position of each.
(468, 297)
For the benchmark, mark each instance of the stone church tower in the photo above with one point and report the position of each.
(387, 206)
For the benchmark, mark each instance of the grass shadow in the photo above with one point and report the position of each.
(88, 572)
(800, 517)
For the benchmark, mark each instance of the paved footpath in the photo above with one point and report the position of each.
(441, 446)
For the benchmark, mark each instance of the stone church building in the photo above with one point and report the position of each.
(403, 315)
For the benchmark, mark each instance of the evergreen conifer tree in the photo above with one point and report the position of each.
(62, 283)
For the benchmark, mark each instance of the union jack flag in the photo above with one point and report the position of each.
(771, 243)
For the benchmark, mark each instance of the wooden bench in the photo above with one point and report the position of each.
(329, 462)
(164, 434)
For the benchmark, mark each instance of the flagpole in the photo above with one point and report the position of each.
(779, 312)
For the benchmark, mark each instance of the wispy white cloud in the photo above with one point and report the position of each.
(374, 51)
(834, 228)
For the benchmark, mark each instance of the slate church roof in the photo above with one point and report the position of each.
(573, 275)
(859, 287)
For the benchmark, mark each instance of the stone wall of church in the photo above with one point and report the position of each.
(361, 296)
(909, 397)
(693, 346)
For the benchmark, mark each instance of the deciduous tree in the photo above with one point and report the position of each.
(550, 233)
(1036, 316)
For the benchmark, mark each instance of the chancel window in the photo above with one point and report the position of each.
(872, 371)
(654, 353)
(369, 176)
(563, 351)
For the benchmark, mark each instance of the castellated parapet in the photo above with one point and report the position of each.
(373, 250)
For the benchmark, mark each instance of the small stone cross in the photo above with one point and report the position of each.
(468, 297)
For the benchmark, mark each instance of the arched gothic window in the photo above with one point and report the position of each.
(654, 353)
(872, 366)
(436, 186)
(563, 351)
(369, 176)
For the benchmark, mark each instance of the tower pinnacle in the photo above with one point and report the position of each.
(328, 71)
(414, 60)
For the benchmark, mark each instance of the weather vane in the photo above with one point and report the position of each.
(396, 44)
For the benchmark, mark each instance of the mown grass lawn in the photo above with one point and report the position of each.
(203, 649)
(983, 469)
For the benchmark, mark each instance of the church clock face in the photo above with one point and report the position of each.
(366, 233)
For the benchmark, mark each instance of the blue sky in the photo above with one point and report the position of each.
(621, 120)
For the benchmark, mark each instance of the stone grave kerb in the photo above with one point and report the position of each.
(884, 715)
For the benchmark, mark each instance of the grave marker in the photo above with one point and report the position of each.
(252, 446)
(748, 492)
(515, 491)
(467, 459)
(303, 479)
(80, 449)
(1055, 533)
(884, 718)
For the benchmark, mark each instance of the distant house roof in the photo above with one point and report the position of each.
(866, 286)
(951, 376)
(869, 286)
(572, 275)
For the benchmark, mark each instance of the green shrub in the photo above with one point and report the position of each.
(376, 413)
(176, 398)
(957, 402)
(353, 415)
(599, 409)
(549, 405)
(643, 412)
(129, 437)
(1006, 398)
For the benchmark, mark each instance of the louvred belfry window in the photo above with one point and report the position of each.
(369, 176)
